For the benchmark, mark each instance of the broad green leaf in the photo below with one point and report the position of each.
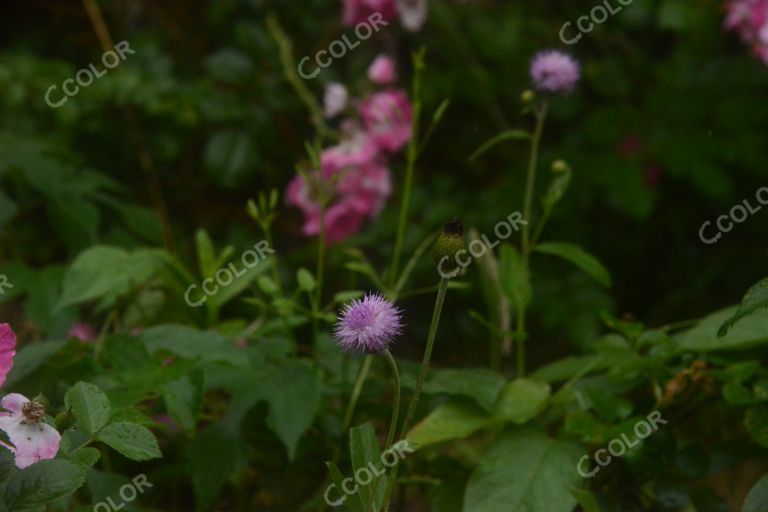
(578, 257)
(214, 455)
(335, 494)
(756, 420)
(454, 420)
(85, 457)
(184, 399)
(524, 471)
(42, 483)
(132, 440)
(514, 279)
(507, 135)
(31, 357)
(305, 279)
(755, 299)
(757, 499)
(480, 384)
(564, 369)
(521, 400)
(750, 332)
(89, 406)
(7, 460)
(364, 451)
(293, 392)
(188, 342)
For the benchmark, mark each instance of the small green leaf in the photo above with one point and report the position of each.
(586, 499)
(354, 504)
(364, 450)
(347, 296)
(89, 406)
(132, 440)
(206, 255)
(454, 420)
(578, 257)
(305, 279)
(184, 399)
(514, 279)
(756, 298)
(267, 285)
(507, 135)
(521, 400)
(556, 190)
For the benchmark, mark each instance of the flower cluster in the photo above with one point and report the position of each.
(553, 71)
(32, 440)
(412, 13)
(750, 19)
(353, 180)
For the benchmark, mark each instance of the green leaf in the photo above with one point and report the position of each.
(7, 460)
(756, 298)
(556, 190)
(293, 392)
(230, 158)
(354, 504)
(184, 399)
(480, 384)
(750, 332)
(757, 499)
(521, 400)
(42, 483)
(364, 450)
(507, 135)
(454, 420)
(756, 420)
(524, 471)
(305, 279)
(85, 457)
(578, 257)
(214, 455)
(347, 296)
(586, 499)
(514, 279)
(89, 406)
(191, 343)
(132, 440)
(206, 255)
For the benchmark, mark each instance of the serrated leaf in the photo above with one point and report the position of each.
(521, 400)
(89, 405)
(579, 257)
(132, 440)
(756, 298)
(480, 384)
(42, 483)
(454, 420)
(184, 399)
(364, 450)
(85, 457)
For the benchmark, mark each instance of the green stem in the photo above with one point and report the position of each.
(317, 300)
(439, 301)
(412, 155)
(396, 405)
(530, 182)
(361, 376)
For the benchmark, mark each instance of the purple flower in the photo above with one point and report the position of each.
(554, 71)
(368, 325)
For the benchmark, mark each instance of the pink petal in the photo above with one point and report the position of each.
(13, 403)
(33, 442)
(7, 350)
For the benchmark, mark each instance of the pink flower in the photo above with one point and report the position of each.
(382, 71)
(7, 350)
(335, 99)
(387, 117)
(82, 331)
(368, 325)
(358, 11)
(33, 440)
(413, 13)
(554, 71)
(357, 148)
(750, 19)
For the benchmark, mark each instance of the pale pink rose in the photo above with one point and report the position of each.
(356, 148)
(7, 350)
(359, 11)
(335, 99)
(387, 117)
(82, 331)
(413, 13)
(33, 439)
(382, 71)
(371, 185)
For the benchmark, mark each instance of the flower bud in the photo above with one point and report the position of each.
(559, 166)
(450, 241)
(528, 96)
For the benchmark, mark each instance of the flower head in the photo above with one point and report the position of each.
(387, 117)
(335, 99)
(554, 71)
(82, 331)
(7, 350)
(33, 440)
(382, 71)
(750, 19)
(368, 325)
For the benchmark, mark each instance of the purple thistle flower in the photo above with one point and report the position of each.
(554, 71)
(368, 325)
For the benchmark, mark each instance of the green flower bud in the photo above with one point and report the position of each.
(559, 166)
(450, 241)
(528, 97)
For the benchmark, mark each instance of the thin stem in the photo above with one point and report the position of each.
(411, 264)
(439, 301)
(412, 155)
(396, 404)
(361, 376)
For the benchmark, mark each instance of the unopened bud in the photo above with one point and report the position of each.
(559, 166)
(528, 96)
(450, 241)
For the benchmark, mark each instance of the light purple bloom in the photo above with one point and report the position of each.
(368, 325)
(554, 71)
